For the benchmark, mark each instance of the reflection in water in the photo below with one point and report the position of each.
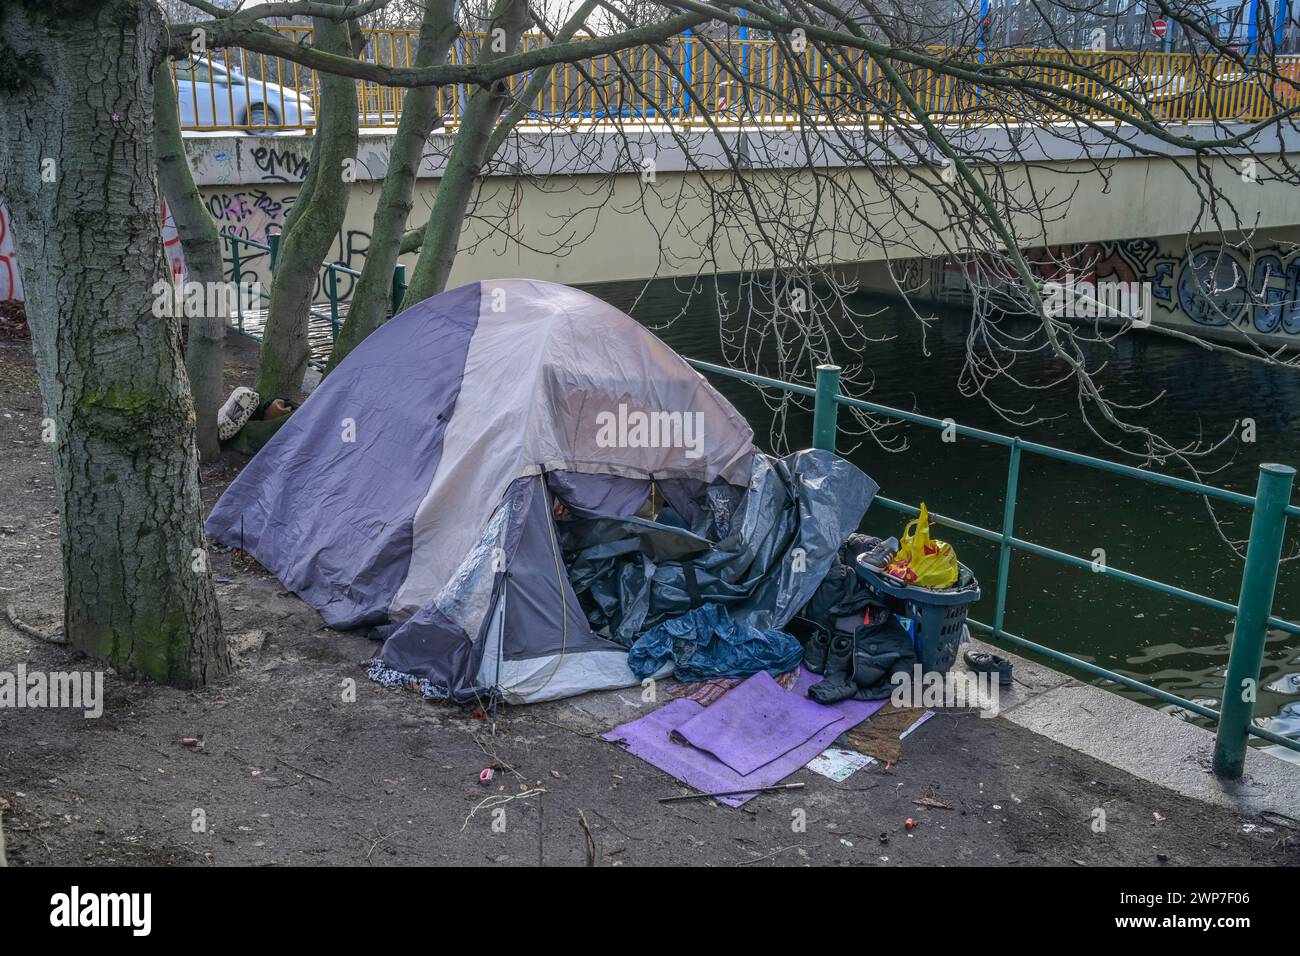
(1159, 533)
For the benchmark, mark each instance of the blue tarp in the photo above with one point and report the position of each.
(706, 643)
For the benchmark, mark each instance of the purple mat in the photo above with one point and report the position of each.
(650, 738)
(754, 723)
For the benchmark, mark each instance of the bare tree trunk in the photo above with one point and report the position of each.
(201, 243)
(77, 168)
(372, 295)
(470, 151)
(311, 228)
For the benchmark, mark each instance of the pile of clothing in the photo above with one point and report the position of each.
(854, 639)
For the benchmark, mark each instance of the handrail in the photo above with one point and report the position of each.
(754, 80)
(1252, 610)
(329, 281)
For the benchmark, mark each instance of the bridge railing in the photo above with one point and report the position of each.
(757, 81)
(1253, 610)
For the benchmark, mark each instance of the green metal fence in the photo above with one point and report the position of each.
(1253, 611)
(243, 251)
(1270, 506)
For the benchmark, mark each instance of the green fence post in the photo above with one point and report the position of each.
(236, 267)
(1008, 530)
(399, 287)
(825, 408)
(273, 240)
(332, 287)
(1254, 605)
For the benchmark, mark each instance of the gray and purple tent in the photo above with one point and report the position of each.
(468, 481)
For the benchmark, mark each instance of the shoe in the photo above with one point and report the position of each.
(816, 650)
(880, 555)
(984, 663)
(235, 413)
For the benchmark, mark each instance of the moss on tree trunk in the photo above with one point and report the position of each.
(77, 167)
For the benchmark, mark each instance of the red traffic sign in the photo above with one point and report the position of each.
(1159, 28)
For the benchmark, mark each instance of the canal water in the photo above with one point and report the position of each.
(1159, 533)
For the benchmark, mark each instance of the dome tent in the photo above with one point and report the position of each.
(416, 490)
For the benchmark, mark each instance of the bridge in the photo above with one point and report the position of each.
(1135, 223)
(608, 176)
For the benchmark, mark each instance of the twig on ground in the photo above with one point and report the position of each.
(591, 839)
(931, 802)
(731, 793)
(768, 856)
(614, 826)
(499, 800)
(58, 637)
(376, 843)
(307, 773)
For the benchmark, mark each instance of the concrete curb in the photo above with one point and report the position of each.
(1146, 743)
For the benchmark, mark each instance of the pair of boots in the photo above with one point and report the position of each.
(858, 665)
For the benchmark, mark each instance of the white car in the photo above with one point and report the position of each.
(210, 96)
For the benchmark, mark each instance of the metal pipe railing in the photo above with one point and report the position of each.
(334, 299)
(1253, 610)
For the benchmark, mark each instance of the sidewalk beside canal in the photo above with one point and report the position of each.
(299, 759)
(288, 771)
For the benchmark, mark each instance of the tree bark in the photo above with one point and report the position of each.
(372, 295)
(77, 167)
(468, 153)
(201, 243)
(311, 227)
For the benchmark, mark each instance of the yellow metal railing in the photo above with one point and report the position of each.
(690, 80)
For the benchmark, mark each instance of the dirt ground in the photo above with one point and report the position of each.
(289, 770)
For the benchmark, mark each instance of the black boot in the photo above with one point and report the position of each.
(838, 684)
(814, 653)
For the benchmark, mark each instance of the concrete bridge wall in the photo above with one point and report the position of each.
(593, 205)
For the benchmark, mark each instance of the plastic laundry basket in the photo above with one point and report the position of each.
(938, 613)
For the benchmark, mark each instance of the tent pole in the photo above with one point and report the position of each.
(499, 625)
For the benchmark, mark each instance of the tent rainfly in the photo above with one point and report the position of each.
(422, 488)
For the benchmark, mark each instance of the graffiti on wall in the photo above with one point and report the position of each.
(254, 210)
(1252, 288)
(11, 286)
(249, 213)
(278, 165)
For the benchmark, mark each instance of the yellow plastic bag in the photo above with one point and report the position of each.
(921, 560)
